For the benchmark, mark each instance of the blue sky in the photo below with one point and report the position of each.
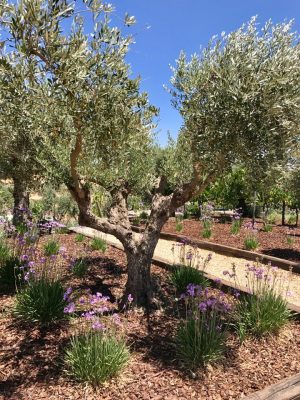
(165, 27)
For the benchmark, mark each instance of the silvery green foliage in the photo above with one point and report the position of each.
(82, 85)
(240, 98)
(17, 153)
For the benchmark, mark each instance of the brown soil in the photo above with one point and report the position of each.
(31, 364)
(271, 243)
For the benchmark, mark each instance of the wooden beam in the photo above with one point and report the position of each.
(287, 389)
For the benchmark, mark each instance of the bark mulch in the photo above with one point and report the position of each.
(270, 243)
(31, 364)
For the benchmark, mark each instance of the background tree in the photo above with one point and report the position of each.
(18, 154)
(239, 105)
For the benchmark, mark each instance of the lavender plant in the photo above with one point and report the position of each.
(98, 349)
(201, 336)
(189, 273)
(236, 223)
(263, 310)
(251, 240)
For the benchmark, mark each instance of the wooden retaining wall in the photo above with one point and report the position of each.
(230, 251)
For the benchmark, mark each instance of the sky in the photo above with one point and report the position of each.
(165, 27)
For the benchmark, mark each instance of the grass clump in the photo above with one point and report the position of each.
(79, 238)
(251, 242)
(94, 357)
(183, 275)
(178, 224)
(263, 310)
(99, 244)
(207, 228)
(80, 268)
(51, 248)
(42, 301)
(201, 336)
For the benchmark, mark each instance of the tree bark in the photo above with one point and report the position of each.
(254, 210)
(283, 213)
(21, 201)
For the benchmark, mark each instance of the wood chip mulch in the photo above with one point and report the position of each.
(270, 243)
(31, 359)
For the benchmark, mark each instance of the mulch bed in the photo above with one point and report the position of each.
(270, 243)
(31, 359)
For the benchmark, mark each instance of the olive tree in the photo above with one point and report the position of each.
(18, 161)
(239, 100)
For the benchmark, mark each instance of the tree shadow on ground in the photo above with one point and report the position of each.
(37, 354)
(159, 347)
(287, 254)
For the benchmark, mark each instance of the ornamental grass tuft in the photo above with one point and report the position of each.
(41, 301)
(182, 275)
(51, 248)
(95, 356)
(80, 267)
(201, 335)
(99, 244)
(264, 309)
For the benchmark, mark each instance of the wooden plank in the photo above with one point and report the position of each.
(287, 389)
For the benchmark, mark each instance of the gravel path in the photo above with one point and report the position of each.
(174, 253)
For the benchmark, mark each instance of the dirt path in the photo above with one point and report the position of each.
(174, 253)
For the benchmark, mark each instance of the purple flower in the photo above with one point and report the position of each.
(130, 298)
(31, 264)
(67, 293)
(70, 308)
(98, 326)
(202, 306)
(218, 281)
(24, 257)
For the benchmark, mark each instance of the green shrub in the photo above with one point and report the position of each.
(183, 275)
(200, 338)
(4, 252)
(236, 226)
(207, 228)
(251, 242)
(10, 272)
(95, 357)
(291, 219)
(79, 237)
(267, 227)
(80, 268)
(51, 247)
(98, 244)
(272, 218)
(261, 314)
(290, 240)
(42, 301)
(143, 215)
(178, 224)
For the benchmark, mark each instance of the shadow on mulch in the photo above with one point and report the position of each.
(158, 347)
(40, 351)
(287, 253)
